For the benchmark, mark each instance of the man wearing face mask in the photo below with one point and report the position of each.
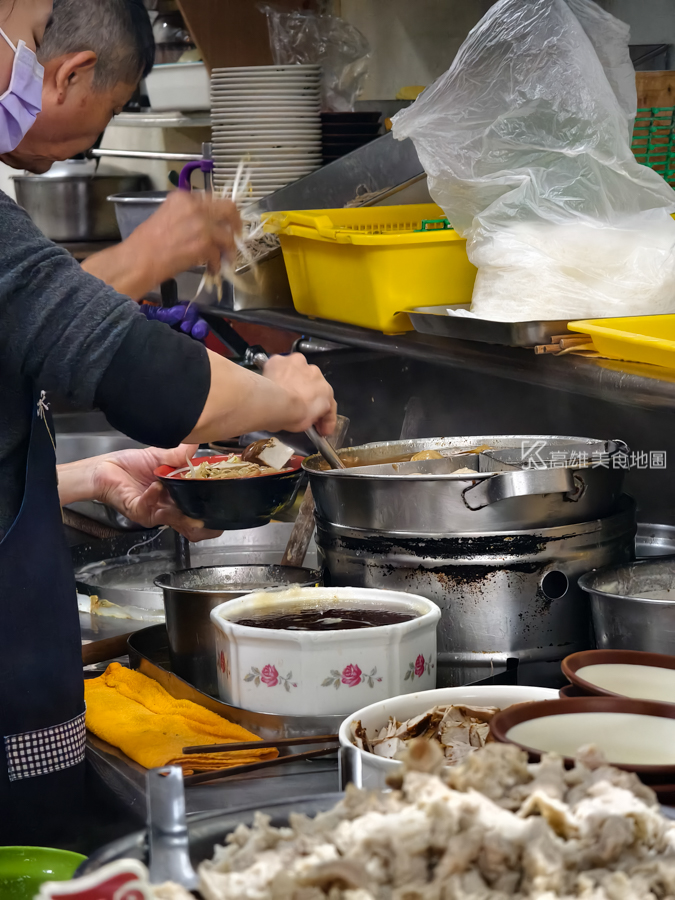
(63, 330)
(94, 53)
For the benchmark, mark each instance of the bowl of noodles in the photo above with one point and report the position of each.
(228, 492)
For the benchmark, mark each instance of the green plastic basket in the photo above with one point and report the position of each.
(654, 140)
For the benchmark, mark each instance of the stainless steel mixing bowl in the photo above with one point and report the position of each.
(625, 616)
(189, 597)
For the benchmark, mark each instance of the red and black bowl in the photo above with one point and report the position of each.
(228, 503)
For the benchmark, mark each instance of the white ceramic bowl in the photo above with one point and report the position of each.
(374, 717)
(329, 672)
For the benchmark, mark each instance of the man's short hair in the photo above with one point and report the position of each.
(118, 31)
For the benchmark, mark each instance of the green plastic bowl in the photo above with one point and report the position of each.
(24, 869)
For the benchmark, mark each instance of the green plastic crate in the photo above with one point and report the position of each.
(654, 140)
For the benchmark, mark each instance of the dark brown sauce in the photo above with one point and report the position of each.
(327, 619)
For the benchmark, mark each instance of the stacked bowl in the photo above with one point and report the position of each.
(268, 116)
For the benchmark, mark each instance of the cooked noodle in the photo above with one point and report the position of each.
(233, 467)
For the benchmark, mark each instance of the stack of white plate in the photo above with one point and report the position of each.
(270, 117)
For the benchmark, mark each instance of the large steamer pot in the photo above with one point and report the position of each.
(189, 597)
(499, 496)
(503, 596)
(624, 617)
(69, 205)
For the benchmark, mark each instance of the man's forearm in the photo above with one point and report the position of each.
(124, 269)
(241, 401)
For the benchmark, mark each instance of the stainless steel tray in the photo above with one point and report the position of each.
(149, 654)
(125, 780)
(435, 320)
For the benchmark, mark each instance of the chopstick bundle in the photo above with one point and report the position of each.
(202, 777)
(562, 344)
(261, 745)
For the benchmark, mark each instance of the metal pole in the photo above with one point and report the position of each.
(147, 154)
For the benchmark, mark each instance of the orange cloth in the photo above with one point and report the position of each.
(135, 713)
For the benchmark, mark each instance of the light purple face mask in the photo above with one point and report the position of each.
(22, 100)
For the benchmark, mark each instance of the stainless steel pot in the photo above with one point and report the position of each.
(189, 597)
(133, 206)
(69, 205)
(654, 540)
(425, 498)
(505, 595)
(623, 618)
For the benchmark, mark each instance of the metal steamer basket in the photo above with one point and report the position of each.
(502, 561)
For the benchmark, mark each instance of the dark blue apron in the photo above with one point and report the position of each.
(42, 727)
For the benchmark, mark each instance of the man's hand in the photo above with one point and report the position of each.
(312, 396)
(188, 229)
(125, 481)
(290, 396)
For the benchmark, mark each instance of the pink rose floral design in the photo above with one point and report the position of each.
(351, 675)
(418, 668)
(269, 676)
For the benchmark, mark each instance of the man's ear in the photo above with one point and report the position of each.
(72, 70)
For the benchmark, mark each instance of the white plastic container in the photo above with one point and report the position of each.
(374, 769)
(179, 86)
(328, 672)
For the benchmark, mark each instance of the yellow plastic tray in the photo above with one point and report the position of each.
(366, 266)
(645, 339)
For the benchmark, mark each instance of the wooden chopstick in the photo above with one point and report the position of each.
(251, 767)
(262, 745)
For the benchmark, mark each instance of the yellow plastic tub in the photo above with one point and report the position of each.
(366, 266)
(645, 339)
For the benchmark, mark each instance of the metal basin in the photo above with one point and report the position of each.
(189, 597)
(209, 828)
(429, 499)
(75, 208)
(132, 207)
(626, 615)
(654, 540)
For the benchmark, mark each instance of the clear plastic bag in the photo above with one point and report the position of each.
(526, 142)
(309, 37)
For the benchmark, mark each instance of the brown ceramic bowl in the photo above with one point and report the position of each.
(571, 665)
(571, 690)
(506, 719)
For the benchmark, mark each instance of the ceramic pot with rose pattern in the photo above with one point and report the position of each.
(330, 671)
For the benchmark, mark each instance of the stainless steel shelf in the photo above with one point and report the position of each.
(163, 120)
(633, 384)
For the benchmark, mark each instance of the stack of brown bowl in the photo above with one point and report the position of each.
(620, 701)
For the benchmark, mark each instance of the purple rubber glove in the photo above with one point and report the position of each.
(184, 316)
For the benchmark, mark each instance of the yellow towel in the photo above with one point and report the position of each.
(135, 713)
